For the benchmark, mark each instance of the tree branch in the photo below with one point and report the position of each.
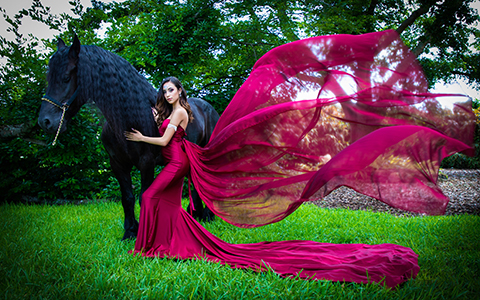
(35, 141)
(415, 15)
(9, 132)
(284, 19)
(219, 79)
(252, 45)
(231, 38)
(421, 46)
(12, 131)
(461, 73)
(371, 8)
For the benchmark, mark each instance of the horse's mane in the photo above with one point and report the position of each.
(123, 95)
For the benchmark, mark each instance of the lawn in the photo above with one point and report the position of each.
(75, 252)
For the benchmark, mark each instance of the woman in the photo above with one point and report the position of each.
(161, 202)
(297, 129)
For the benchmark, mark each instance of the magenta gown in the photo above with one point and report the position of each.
(313, 115)
(166, 229)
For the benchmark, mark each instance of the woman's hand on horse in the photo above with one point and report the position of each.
(134, 136)
(155, 113)
(137, 136)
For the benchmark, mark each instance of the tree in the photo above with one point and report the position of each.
(446, 29)
(211, 46)
(30, 167)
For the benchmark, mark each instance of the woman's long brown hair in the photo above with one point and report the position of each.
(164, 108)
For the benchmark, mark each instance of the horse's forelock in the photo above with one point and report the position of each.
(57, 65)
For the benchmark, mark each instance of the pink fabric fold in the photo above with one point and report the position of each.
(326, 112)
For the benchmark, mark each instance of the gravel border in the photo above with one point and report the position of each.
(461, 186)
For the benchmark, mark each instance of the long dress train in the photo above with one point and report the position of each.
(313, 115)
(166, 229)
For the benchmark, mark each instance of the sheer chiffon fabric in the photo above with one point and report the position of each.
(325, 112)
(313, 115)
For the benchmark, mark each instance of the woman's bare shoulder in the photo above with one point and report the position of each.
(179, 115)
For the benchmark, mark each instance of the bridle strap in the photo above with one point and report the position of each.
(58, 104)
(64, 107)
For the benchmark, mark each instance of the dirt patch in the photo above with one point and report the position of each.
(461, 186)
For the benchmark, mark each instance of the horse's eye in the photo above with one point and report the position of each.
(66, 78)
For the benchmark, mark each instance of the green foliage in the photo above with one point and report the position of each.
(184, 39)
(211, 46)
(74, 251)
(446, 35)
(75, 168)
(461, 161)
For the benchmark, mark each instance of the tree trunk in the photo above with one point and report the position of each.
(371, 8)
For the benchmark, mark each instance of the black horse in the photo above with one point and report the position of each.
(78, 74)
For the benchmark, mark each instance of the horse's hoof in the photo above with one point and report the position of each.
(128, 235)
(208, 216)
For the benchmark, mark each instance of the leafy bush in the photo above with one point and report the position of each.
(461, 161)
(77, 167)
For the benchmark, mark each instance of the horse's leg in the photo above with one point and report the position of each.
(211, 121)
(121, 168)
(147, 172)
(199, 132)
(197, 204)
(200, 213)
(207, 214)
(122, 173)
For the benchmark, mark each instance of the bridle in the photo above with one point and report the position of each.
(64, 107)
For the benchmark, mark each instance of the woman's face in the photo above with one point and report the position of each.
(171, 93)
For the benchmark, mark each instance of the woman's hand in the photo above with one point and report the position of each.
(155, 114)
(135, 136)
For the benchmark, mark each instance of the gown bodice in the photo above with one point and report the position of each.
(179, 134)
(173, 150)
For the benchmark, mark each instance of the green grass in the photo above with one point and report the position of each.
(75, 252)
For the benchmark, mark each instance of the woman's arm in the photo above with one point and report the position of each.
(180, 116)
(137, 136)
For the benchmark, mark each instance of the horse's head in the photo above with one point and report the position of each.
(60, 102)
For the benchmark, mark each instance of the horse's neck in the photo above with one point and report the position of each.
(115, 100)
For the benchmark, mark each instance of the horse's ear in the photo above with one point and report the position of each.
(74, 49)
(60, 44)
